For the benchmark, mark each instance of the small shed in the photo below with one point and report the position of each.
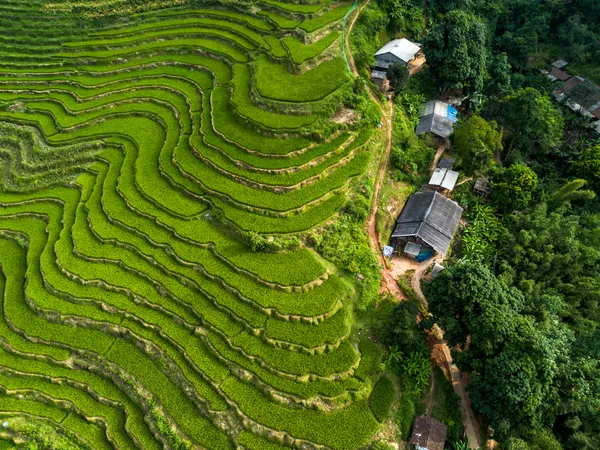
(379, 77)
(560, 64)
(428, 434)
(438, 118)
(482, 187)
(428, 219)
(437, 268)
(443, 179)
(446, 163)
(400, 51)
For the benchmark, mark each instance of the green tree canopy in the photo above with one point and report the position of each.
(588, 166)
(532, 120)
(513, 188)
(456, 51)
(499, 74)
(475, 142)
(513, 359)
(398, 76)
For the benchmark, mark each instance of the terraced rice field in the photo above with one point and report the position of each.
(133, 155)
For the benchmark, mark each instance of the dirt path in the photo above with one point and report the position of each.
(389, 282)
(465, 181)
(436, 158)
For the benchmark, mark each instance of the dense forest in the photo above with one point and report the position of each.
(519, 301)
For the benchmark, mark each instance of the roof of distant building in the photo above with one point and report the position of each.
(446, 163)
(444, 178)
(401, 48)
(560, 64)
(548, 74)
(429, 433)
(431, 217)
(570, 84)
(559, 74)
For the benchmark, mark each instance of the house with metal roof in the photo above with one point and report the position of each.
(446, 163)
(379, 77)
(438, 118)
(443, 179)
(560, 64)
(428, 219)
(400, 51)
(428, 434)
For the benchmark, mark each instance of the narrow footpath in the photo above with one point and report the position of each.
(389, 282)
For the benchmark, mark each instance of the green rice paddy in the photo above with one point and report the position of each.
(133, 154)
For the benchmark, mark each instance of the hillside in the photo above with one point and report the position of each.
(143, 144)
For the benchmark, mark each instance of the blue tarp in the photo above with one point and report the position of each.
(387, 251)
(424, 255)
(452, 112)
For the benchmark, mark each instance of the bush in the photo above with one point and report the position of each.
(410, 156)
(346, 243)
(382, 398)
(260, 243)
(405, 416)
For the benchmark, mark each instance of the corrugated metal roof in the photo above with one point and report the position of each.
(433, 123)
(401, 48)
(435, 107)
(380, 74)
(437, 177)
(381, 64)
(560, 63)
(446, 163)
(450, 179)
(431, 217)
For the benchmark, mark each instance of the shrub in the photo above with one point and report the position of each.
(405, 416)
(382, 398)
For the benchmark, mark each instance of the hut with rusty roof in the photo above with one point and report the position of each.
(428, 434)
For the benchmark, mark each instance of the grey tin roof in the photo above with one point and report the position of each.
(446, 163)
(560, 63)
(432, 123)
(431, 217)
(378, 74)
(401, 48)
(444, 177)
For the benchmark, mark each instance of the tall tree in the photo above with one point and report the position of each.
(513, 359)
(588, 166)
(513, 188)
(532, 120)
(456, 51)
(475, 143)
